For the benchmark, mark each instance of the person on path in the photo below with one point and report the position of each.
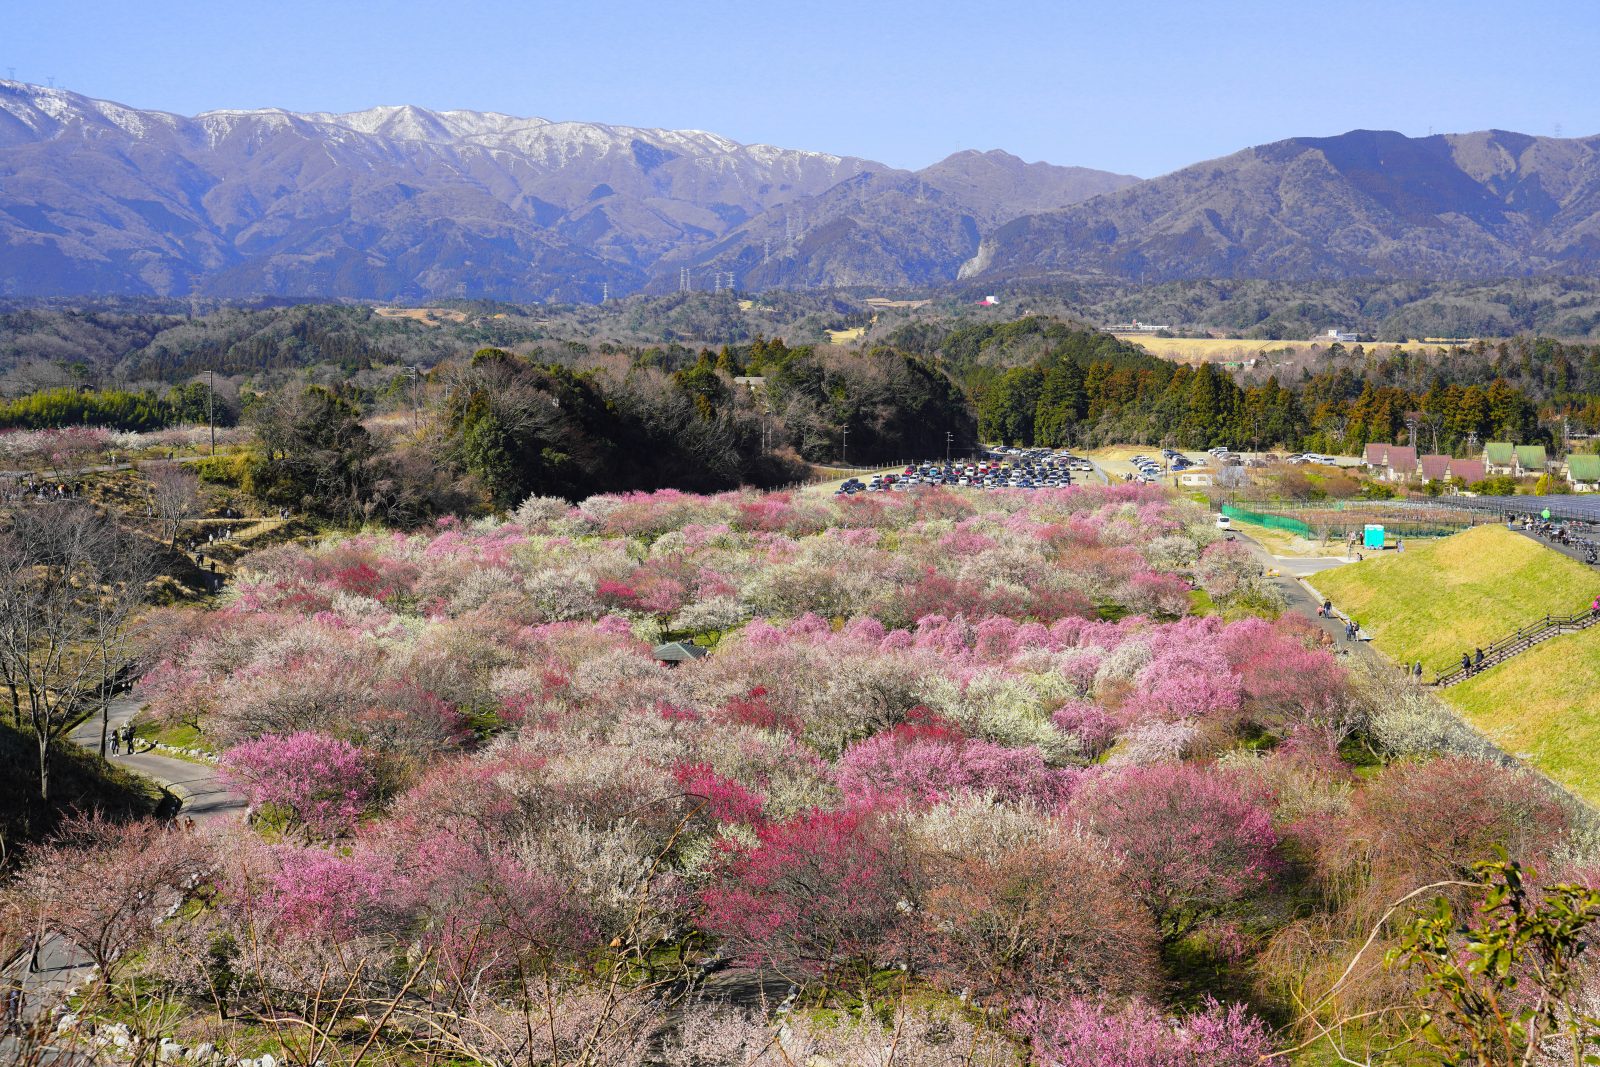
(1477, 661)
(1416, 670)
(1466, 662)
(1327, 607)
(14, 1005)
(116, 742)
(1400, 545)
(127, 737)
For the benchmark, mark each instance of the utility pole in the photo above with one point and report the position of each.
(211, 408)
(847, 446)
(949, 441)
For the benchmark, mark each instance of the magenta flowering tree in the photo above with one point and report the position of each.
(323, 783)
(1195, 841)
(724, 798)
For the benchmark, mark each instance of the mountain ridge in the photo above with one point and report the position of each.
(1367, 203)
(403, 202)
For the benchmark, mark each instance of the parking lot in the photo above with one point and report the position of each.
(1011, 468)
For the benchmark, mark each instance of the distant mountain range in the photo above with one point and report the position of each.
(1364, 204)
(407, 204)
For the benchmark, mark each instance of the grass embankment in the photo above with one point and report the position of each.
(1542, 706)
(79, 781)
(1436, 600)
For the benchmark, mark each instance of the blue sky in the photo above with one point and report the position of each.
(1137, 87)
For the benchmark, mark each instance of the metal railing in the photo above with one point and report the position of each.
(1532, 634)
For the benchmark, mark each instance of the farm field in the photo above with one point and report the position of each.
(1541, 706)
(1235, 349)
(1438, 599)
(426, 316)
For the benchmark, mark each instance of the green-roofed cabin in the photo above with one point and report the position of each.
(1532, 460)
(675, 652)
(1499, 457)
(1584, 473)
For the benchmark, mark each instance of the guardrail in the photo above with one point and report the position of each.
(1532, 634)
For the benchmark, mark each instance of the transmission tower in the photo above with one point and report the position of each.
(605, 292)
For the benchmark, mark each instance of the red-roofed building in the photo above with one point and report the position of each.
(1400, 464)
(1467, 470)
(1435, 468)
(1376, 455)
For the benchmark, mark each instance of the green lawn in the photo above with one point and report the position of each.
(1438, 599)
(1543, 705)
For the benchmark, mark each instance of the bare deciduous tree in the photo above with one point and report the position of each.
(69, 581)
(175, 498)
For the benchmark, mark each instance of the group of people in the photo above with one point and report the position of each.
(120, 738)
(1472, 661)
(1352, 628)
(27, 485)
(1569, 534)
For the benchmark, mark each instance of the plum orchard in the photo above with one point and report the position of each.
(962, 768)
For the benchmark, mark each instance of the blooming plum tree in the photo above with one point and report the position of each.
(322, 782)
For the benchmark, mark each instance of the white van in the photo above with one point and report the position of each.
(1224, 523)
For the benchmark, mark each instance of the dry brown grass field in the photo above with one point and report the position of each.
(1238, 349)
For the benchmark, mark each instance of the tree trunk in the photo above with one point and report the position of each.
(105, 719)
(44, 766)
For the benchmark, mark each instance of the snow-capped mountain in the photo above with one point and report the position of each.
(403, 202)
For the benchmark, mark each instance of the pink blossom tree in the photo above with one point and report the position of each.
(1086, 1033)
(104, 885)
(323, 783)
(913, 765)
(1196, 842)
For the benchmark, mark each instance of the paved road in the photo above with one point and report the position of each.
(1300, 600)
(202, 797)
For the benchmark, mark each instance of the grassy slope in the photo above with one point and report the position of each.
(1435, 600)
(1543, 705)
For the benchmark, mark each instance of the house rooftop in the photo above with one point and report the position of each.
(1435, 467)
(1402, 458)
(677, 652)
(1584, 468)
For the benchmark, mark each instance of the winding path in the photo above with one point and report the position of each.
(201, 796)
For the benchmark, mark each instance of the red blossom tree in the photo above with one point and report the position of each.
(821, 892)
